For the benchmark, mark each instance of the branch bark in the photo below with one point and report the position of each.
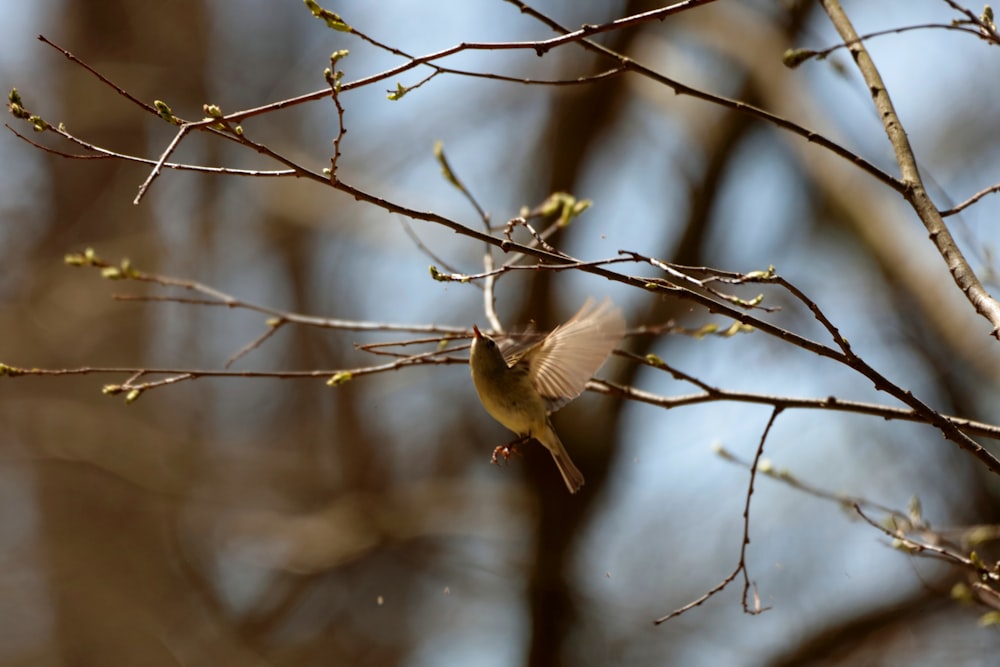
(913, 187)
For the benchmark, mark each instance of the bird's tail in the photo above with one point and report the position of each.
(570, 473)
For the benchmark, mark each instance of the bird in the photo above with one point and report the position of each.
(522, 387)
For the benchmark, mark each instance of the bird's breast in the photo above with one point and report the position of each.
(512, 401)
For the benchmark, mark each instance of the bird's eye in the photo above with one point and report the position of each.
(490, 343)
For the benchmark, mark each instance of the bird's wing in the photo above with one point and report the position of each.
(516, 345)
(564, 360)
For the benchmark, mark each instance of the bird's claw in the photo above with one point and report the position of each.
(502, 454)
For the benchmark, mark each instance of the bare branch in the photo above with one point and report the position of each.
(607, 387)
(133, 390)
(107, 154)
(971, 200)
(913, 186)
(741, 566)
(736, 105)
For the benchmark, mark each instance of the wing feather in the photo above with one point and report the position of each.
(563, 362)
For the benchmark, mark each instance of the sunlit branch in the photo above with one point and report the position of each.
(914, 191)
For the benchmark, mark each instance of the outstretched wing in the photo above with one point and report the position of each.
(564, 360)
(516, 345)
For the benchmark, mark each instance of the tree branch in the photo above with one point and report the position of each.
(914, 191)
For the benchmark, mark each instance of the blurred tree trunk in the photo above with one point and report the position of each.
(580, 118)
(105, 545)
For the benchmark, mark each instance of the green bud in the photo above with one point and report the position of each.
(397, 95)
(961, 592)
(792, 58)
(442, 160)
(914, 509)
(15, 105)
(165, 112)
(10, 371)
(990, 618)
(339, 379)
(761, 275)
(706, 330)
(553, 204)
(722, 452)
(981, 534)
(581, 206)
(331, 19)
(737, 327)
(655, 361)
(846, 504)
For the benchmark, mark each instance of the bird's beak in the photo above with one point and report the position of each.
(475, 329)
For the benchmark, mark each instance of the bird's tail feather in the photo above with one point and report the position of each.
(570, 473)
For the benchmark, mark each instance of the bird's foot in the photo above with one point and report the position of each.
(502, 454)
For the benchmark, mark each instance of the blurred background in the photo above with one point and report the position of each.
(283, 522)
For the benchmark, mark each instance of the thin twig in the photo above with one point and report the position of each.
(106, 154)
(971, 200)
(986, 30)
(222, 299)
(182, 131)
(133, 390)
(746, 515)
(334, 77)
(834, 403)
(845, 500)
(820, 54)
(683, 89)
(103, 79)
(489, 295)
(741, 565)
(923, 548)
(434, 257)
(255, 343)
(456, 181)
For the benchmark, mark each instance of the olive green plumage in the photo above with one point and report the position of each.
(519, 390)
